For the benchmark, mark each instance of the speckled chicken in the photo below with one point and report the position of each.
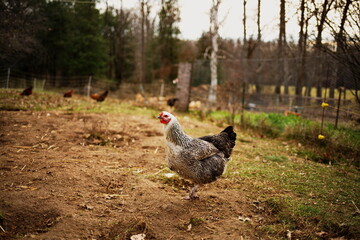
(200, 160)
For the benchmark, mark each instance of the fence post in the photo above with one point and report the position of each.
(89, 86)
(338, 108)
(43, 84)
(162, 88)
(8, 78)
(243, 103)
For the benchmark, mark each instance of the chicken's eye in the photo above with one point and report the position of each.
(166, 116)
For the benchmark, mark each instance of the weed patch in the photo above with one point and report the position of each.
(340, 145)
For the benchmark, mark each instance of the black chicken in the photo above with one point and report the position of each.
(27, 91)
(69, 93)
(171, 101)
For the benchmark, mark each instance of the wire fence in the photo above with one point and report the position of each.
(83, 85)
(233, 92)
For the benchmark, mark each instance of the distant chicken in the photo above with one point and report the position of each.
(171, 101)
(27, 91)
(68, 94)
(288, 113)
(99, 97)
(201, 160)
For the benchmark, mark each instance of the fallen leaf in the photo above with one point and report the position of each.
(288, 234)
(87, 207)
(244, 219)
(189, 227)
(321, 234)
(140, 236)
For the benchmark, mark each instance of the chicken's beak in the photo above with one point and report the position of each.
(159, 117)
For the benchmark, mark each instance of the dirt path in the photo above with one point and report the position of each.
(99, 176)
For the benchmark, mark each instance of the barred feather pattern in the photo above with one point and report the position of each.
(201, 160)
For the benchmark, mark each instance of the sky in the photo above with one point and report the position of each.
(195, 17)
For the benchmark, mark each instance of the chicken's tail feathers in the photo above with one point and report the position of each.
(230, 131)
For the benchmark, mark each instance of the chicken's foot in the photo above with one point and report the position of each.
(192, 194)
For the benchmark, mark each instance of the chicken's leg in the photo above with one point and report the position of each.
(192, 194)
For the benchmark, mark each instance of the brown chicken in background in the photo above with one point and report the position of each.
(99, 97)
(288, 113)
(27, 91)
(68, 94)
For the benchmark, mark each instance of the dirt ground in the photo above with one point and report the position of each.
(96, 176)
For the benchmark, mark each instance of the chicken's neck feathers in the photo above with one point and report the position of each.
(175, 134)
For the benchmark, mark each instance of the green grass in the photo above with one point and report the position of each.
(296, 183)
(340, 145)
(300, 194)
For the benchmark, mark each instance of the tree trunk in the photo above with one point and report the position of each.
(142, 57)
(304, 55)
(281, 43)
(340, 42)
(245, 47)
(301, 53)
(183, 87)
(318, 45)
(213, 57)
(244, 20)
(259, 64)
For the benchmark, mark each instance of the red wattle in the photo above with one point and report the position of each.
(163, 121)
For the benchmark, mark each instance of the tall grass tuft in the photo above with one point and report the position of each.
(339, 145)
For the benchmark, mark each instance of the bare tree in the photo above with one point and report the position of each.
(326, 6)
(142, 56)
(214, 29)
(347, 51)
(244, 20)
(341, 39)
(301, 53)
(245, 45)
(281, 47)
(258, 51)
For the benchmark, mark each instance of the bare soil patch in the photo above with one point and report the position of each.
(94, 176)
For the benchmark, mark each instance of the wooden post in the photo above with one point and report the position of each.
(8, 78)
(183, 87)
(243, 102)
(338, 108)
(162, 86)
(43, 84)
(89, 86)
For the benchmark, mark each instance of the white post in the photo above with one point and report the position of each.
(162, 89)
(89, 86)
(8, 78)
(43, 84)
